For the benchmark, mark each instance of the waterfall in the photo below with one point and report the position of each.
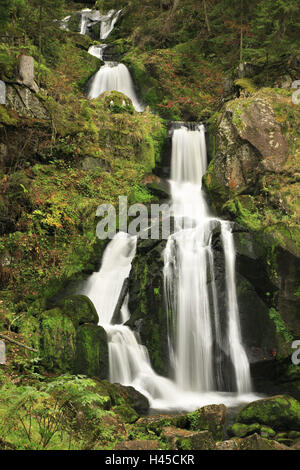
(108, 23)
(191, 293)
(189, 277)
(114, 76)
(97, 51)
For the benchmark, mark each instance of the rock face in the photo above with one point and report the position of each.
(72, 341)
(279, 412)
(252, 179)
(91, 351)
(26, 73)
(146, 302)
(80, 309)
(249, 141)
(22, 100)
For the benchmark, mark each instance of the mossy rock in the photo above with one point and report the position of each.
(57, 341)
(91, 351)
(243, 430)
(280, 412)
(123, 396)
(126, 412)
(156, 423)
(80, 309)
(211, 418)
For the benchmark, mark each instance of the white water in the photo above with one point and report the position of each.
(189, 275)
(114, 77)
(97, 51)
(108, 23)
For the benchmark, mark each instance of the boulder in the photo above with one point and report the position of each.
(120, 395)
(156, 423)
(80, 309)
(146, 302)
(227, 445)
(26, 103)
(58, 338)
(91, 351)
(126, 412)
(280, 412)
(2, 92)
(255, 442)
(26, 72)
(137, 445)
(211, 418)
(182, 439)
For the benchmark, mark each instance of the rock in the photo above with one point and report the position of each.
(139, 402)
(120, 395)
(137, 445)
(280, 412)
(156, 423)
(91, 351)
(255, 442)
(227, 445)
(57, 341)
(181, 439)
(296, 445)
(26, 72)
(91, 163)
(284, 82)
(80, 309)
(22, 100)
(2, 92)
(126, 412)
(146, 302)
(242, 430)
(211, 418)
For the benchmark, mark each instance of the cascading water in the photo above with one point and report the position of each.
(191, 295)
(189, 277)
(108, 23)
(114, 76)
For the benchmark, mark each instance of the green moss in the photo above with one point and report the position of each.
(57, 341)
(91, 351)
(281, 327)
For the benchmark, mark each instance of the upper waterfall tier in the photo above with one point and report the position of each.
(114, 77)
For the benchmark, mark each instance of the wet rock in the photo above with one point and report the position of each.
(137, 445)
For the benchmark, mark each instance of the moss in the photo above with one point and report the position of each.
(57, 341)
(281, 327)
(91, 351)
(280, 413)
(80, 309)
(126, 412)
